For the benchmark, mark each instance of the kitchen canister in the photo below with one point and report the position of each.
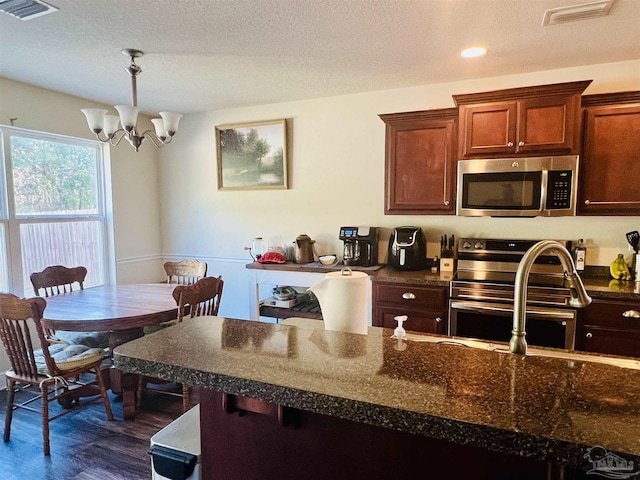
(343, 298)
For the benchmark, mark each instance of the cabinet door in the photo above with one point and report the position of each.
(611, 340)
(606, 327)
(610, 166)
(518, 122)
(548, 125)
(423, 322)
(420, 163)
(488, 129)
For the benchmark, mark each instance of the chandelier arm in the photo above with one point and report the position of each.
(155, 139)
(106, 139)
(117, 137)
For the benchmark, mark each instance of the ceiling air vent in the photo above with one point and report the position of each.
(576, 12)
(26, 9)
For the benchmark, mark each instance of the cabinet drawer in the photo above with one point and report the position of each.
(411, 296)
(611, 314)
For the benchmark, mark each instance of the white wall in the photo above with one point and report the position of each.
(337, 178)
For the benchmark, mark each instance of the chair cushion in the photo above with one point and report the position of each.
(88, 339)
(68, 357)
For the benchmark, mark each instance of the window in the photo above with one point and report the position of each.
(52, 210)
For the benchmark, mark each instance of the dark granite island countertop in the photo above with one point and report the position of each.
(547, 409)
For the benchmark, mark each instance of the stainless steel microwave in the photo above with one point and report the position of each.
(518, 187)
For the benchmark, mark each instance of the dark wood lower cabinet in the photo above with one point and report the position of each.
(425, 306)
(608, 326)
(256, 446)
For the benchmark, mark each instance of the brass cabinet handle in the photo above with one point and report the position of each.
(521, 144)
(438, 319)
(409, 296)
(587, 202)
(510, 144)
(446, 202)
(631, 314)
(589, 335)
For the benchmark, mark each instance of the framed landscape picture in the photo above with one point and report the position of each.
(252, 155)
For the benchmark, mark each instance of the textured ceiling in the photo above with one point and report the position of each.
(203, 55)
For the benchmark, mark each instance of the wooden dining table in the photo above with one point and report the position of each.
(121, 311)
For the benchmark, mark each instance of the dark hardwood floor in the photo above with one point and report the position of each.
(84, 445)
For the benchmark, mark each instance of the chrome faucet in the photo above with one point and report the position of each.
(579, 297)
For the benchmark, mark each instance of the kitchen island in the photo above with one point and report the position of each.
(339, 405)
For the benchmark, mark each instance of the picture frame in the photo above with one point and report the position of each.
(252, 155)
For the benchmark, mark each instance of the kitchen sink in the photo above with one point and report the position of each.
(531, 351)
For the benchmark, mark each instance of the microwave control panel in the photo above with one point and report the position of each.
(559, 193)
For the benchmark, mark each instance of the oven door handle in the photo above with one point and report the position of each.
(488, 307)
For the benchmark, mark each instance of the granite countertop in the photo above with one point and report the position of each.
(597, 286)
(596, 281)
(544, 408)
(608, 288)
(313, 267)
(421, 277)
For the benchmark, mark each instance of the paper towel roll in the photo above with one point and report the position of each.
(343, 298)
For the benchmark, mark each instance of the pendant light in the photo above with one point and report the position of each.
(115, 128)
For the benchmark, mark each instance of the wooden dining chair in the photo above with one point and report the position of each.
(185, 272)
(56, 280)
(201, 298)
(54, 369)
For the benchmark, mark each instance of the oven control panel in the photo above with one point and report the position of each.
(498, 246)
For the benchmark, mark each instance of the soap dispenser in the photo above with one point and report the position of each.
(399, 331)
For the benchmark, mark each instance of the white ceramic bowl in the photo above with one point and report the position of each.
(328, 259)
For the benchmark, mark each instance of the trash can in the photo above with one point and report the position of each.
(175, 450)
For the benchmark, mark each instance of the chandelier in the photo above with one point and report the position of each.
(114, 128)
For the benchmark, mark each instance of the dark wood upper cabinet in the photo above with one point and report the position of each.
(420, 162)
(540, 120)
(610, 164)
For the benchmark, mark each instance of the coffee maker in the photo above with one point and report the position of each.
(360, 246)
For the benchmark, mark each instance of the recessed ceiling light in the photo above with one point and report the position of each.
(473, 52)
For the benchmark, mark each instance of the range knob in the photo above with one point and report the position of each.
(466, 245)
(479, 246)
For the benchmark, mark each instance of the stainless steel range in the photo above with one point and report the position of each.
(481, 297)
